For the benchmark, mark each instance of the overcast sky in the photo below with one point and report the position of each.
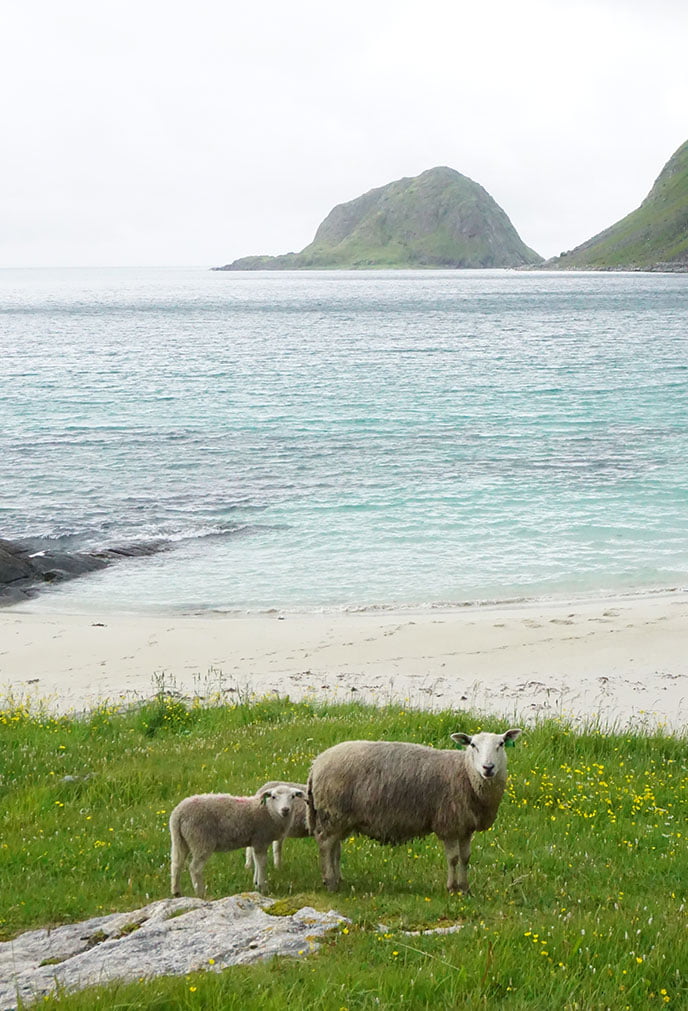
(142, 132)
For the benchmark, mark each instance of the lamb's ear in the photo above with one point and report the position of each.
(511, 736)
(463, 740)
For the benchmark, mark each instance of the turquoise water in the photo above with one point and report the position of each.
(311, 440)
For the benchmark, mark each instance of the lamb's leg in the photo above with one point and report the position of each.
(180, 851)
(198, 862)
(260, 860)
(458, 853)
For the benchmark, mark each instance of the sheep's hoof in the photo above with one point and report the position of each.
(176, 895)
(458, 889)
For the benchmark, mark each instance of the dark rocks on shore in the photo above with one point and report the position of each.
(26, 568)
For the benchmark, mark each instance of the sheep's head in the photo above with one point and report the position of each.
(281, 800)
(486, 751)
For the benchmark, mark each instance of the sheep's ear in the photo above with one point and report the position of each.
(264, 797)
(510, 737)
(299, 793)
(463, 740)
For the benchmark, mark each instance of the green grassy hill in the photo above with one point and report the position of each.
(437, 219)
(653, 237)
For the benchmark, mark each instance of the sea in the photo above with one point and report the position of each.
(318, 441)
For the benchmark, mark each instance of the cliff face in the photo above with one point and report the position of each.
(437, 219)
(653, 237)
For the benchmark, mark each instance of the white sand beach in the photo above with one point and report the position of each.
(622, 661)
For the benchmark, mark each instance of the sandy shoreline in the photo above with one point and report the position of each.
(623, 661)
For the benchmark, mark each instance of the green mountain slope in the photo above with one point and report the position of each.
(653, 237)
(437, 219)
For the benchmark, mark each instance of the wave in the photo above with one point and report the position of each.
(225, 530)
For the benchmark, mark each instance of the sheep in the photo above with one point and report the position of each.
(394, 791)
(207, 822)
(298, 826)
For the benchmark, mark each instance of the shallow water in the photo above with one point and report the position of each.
(312, 440)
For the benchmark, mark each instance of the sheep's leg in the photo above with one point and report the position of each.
(465, 851)
(458, 853)
(260, 860)
(249, 857)
(330, 854)
(180, 851)
(277, 852)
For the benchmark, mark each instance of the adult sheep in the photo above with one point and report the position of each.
(210, 822)
(298, 826)
(393, 791)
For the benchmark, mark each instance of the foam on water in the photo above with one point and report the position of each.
(312, 440)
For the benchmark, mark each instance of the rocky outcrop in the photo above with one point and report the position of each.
(171, 937)
(437, 219)
(25, 568)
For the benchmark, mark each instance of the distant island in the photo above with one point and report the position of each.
(654, 237)
(437, 219)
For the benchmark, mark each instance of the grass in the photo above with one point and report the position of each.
(579, 890)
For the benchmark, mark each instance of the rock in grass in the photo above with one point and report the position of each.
(166, 938)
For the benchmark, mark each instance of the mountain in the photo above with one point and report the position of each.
(653, 237)
(437, 219)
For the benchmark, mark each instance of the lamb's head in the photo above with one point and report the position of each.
(486, 753)
(280, 801)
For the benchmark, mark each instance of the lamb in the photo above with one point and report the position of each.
(394, 791)
(298, 826)
(207, 822)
